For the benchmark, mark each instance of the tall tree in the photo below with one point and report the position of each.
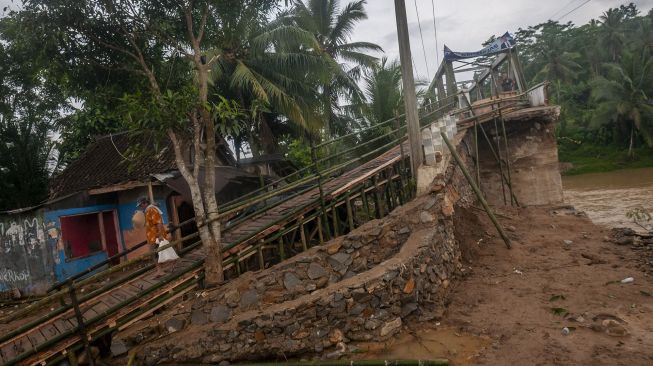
(30, 103)
(163, 43)
(332, 26)
(623, 99)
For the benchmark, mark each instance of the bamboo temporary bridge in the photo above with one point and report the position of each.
(342, 188)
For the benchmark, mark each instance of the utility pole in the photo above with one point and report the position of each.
(410, 99)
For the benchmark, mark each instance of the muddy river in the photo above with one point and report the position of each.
(606, 197)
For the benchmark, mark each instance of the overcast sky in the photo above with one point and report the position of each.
(462, 24)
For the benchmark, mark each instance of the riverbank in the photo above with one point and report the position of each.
(513, 306)
(588, 158)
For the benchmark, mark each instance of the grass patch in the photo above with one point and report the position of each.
(589, 158)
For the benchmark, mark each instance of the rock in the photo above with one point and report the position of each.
(174, 325)
(340, 260)
(625, 240)
(232, 298)
(310, 287)
(410, 286)
(333, 248)
(511, 228)
(198, 317)
(375, 231)
(391, 327)
(447, 207)
(118, 347)
(614, 328)
(408, 309)
(291, 281)
(404, 230)
(568, 242)
(316, 271)
(430, 202)
(249, 298)
(224, 362)
(220, 314)
(336, 336)
(372, 324)
(426, 217)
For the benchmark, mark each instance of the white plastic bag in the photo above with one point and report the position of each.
(167, 254)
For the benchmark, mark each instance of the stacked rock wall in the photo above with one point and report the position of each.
(360, 287)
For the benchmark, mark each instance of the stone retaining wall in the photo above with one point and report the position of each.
(361, 287)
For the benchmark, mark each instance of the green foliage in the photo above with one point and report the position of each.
(640, 216)
(600, 75)
(299, 153)
(31, 102)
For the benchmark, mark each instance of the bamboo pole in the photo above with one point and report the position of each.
(377, 200)
(477, 191)
(505, 141)
(302, 235)
(350, 211)
(487, 138)
(503, 187)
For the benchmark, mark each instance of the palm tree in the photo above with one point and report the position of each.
(382, 86)
(612, 33)
(622, 97)
(271, 71)
(332, 26)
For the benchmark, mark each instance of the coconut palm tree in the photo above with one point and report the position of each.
(623, 99)
(612, 32)
(332, 26)
(271, 71)
(382, 88)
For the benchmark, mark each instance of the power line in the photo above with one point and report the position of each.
(435, 31)
(562, 9)
(419, 24)
(574, 9)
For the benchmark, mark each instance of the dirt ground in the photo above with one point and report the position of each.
(513, 305)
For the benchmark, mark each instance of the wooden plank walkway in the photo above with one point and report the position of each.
(99, 311)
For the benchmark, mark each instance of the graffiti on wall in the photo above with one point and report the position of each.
(27, 258)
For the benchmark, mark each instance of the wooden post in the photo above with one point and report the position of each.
(282, 250)
(261, 260)
(477, 191)
(322, 201)
(320, 234)
(302, 235)
(334, 217)
(489, 142)
(81, 328)
(350, 211)
(410, 99)
(366, 204)
(505, 142)
(377, 200)
(503, 187)
(103, 234)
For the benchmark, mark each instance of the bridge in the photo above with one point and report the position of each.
(352, 179)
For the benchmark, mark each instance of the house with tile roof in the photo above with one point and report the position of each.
(91, 214)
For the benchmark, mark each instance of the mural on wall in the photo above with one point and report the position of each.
(27, 261)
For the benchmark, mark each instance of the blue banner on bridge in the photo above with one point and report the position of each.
(498, 45)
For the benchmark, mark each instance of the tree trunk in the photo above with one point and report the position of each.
(631, 152)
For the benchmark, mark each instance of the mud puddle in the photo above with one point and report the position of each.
(442, 342)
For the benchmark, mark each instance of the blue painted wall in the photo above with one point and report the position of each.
(31, 246)
(65, 268)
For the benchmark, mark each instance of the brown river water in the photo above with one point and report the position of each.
(606, 197)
